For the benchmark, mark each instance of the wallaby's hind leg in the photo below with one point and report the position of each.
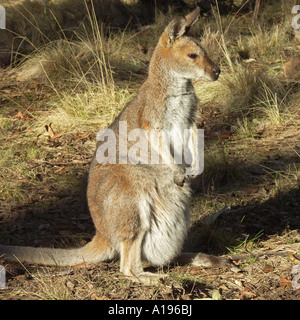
(131, 261)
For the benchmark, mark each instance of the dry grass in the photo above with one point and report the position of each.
(92, 108)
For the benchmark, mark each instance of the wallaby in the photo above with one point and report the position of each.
(141, 211)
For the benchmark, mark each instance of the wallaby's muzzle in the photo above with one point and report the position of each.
(216, 72)
(212, 70)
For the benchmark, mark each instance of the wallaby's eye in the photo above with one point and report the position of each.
(193, 55)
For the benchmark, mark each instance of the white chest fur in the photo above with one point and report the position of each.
(181, 106)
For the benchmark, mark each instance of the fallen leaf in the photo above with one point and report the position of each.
(185, 297)
(57, 135)
(293, 258)
(203, 295)
(19, 115)
(50, 132)
(268, 268)
(95, 297)
(247, 295)
(216, 295)
(238, 283)
(223, 287)
(226, 135)
(285, 283)
(82, 136)
(285, 280)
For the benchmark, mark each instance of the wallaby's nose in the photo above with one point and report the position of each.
(216, 70)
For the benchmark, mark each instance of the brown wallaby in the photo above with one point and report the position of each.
(140, 210)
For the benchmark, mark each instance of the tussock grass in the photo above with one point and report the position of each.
(242, 88)
(243, 126)
(41, 21)
(62, 59)
(271, 105)
(86, 110)
(85, 66)
(268, 42)
(210, 40)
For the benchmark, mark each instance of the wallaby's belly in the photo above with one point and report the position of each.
(168, 225)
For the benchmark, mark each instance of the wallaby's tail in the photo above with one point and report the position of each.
(95, 251)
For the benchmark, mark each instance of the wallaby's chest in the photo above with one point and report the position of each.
(180, 111)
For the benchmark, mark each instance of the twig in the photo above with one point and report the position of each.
(256, 10)
(75, 161)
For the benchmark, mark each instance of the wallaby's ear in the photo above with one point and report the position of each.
(192, 17)
(176, 28)
(180, 25)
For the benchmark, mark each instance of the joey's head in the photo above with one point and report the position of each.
(183, 55)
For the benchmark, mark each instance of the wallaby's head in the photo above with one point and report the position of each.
(183, 55)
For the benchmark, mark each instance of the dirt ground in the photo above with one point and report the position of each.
(263, 278)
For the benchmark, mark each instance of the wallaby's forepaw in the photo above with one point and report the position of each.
(179, 180)
(178, 175)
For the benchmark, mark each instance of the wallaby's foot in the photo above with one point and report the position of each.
(203, 260)
(147, 278)
(208, 261)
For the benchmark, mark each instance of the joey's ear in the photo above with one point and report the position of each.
(180, 25)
